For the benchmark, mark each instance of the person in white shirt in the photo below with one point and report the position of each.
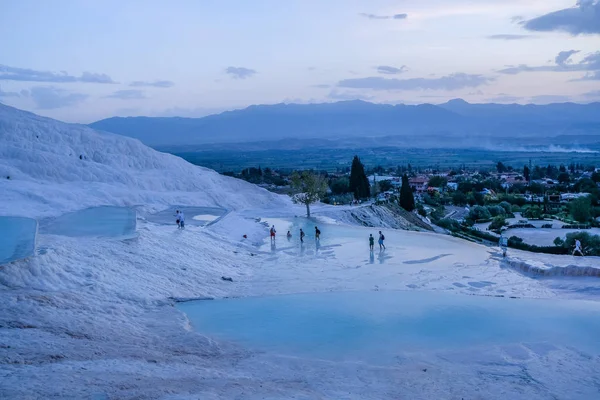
(503, 243)
(578, 248)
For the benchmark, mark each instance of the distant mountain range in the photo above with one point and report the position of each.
(406, 125)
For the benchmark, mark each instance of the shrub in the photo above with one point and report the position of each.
(589, 243)
(507, 207)
(514, 240)
(559, 242)
(547, 226)
(497, 223)
(581, 209)
(479, 212)
(517, 243)
(496, 211)
(449, 224)
(534, 212)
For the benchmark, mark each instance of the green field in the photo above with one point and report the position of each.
(335, 159)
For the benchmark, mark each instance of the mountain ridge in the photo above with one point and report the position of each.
(357, 118)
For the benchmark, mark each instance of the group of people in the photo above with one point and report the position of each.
(273, 231)
(380, 241)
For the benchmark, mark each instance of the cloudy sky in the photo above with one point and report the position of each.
(83, 60)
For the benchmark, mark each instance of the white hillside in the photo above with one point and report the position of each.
(48, 167)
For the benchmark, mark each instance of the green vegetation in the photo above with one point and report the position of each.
(498, 223)
(359, 184)
(407, 199)
(589, 243)
(308, 188)
(581, 209)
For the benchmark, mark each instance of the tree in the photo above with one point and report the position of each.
(500, 167)
(438, 181)
(538, 172)
(526, 173)
(385, 185)
(359, 183)
(507, 207)
(563, 177)
(581, 209)
(596, 177)
(407, 199)
(340, 186)
(308, 188)
(459, 198)
(479, 212)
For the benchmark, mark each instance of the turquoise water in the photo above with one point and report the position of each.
(381, 325)
(199, 216)
(106, 221)
(17, 238)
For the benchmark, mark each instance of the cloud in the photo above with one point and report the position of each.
(9, 94)
(550, 98)
(450, 82)
(322, 86)
(50, 97)
(593, 76)
(563, 58)
(504, 98)
(584, 18)
(516, 19)
(344, 95)
(374, 16)
(563, 63)
(131, 94)
(157, 84)
(593, 94)
(30, 75)
(509, 37)
(386, 69)
(240, 72)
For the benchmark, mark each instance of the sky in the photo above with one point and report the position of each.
(85, 60)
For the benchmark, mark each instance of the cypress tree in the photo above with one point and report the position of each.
(407, 199)
(359, 183)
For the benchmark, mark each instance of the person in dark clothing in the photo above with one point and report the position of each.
(317, 233)
(371, 242)
(301, 235)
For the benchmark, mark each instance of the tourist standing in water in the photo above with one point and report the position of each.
(273, 232)
(180, 220)
(317, 233)
(381, 239)
(371, 242)
(301, 236)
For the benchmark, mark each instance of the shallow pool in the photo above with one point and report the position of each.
(199, 216)
(17, 238)
(378, 326)
(106, 221)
